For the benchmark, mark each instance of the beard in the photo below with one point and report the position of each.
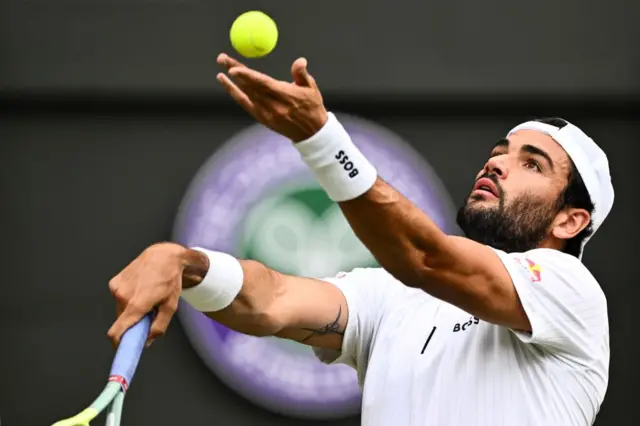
(514, 227)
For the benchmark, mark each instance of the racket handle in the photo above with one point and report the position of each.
(129, 352)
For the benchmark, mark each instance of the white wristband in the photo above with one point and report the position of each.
(340, 167)
(220, 286)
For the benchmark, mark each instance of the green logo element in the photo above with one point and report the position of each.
(302, 232)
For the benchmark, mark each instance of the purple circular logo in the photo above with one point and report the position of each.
(256, 199)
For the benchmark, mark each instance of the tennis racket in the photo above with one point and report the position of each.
(123, 367)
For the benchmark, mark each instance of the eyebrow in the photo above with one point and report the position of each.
(533, 150)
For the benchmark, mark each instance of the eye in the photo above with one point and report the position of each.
(533, 165)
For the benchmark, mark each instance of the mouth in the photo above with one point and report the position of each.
(486, 186)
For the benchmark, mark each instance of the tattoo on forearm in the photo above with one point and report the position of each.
(331, 328)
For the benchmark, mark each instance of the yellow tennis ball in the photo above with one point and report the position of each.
(254, 34)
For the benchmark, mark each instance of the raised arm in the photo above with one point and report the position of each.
(265, 303)
(409, 245)
(404, 240)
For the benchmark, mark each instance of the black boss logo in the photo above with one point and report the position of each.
(464, 326)
(346, 164)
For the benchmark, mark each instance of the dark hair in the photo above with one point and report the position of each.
(575, 195)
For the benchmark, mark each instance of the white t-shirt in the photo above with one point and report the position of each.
(421, 361)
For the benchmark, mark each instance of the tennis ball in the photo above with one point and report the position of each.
(254, 34)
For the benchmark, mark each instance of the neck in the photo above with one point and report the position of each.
(552, 243)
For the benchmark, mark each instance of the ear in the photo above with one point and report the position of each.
(569, 222)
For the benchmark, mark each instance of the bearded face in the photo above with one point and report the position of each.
(512, 224)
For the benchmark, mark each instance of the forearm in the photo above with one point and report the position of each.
(251, 311)
(403, 239)
(264, 302)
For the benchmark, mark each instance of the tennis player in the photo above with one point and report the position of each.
(505, 326)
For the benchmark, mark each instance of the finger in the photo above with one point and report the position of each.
(121, 301)
(300, 73)
(117, 295)
(228, 62)
(254, 79)
(113, 285)
(161, 322)
(235, 92)
(129, 317)
(121, 295)
(119, 309)
(261, 91)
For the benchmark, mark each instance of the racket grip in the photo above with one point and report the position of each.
(129, 352)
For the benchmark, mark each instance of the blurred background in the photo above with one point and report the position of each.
(114, 135)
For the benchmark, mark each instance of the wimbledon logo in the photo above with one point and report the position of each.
(256, 199)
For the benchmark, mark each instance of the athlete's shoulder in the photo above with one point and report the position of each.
(371, 279)
(556, 259)
(365, 274)
(550, 264)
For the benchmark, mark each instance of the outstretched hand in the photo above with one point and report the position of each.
(293, 109)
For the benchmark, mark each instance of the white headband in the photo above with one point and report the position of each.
(591, 163)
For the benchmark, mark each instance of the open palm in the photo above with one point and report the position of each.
(293, 109)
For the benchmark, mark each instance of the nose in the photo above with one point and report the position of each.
(497, 165)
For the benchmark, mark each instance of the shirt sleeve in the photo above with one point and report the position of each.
(565, 305)
(369, 293)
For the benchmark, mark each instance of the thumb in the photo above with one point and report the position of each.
(300, 73)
